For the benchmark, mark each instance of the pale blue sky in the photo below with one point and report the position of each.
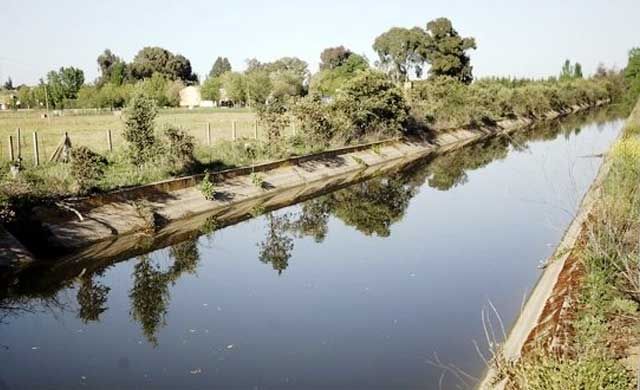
(523, 38)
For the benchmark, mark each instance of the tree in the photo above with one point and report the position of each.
(139, 127)
(72, 79)
(210, 89)
(112, 68)
(152, 60)
(567, 72)
(632, 74)
(220, 66)
(63, 84)
(577, 71)
(329, 80)
(258, 86)
(8, 85)
(234, 85)
(446, 51)
(179, 68)
(401, 52)
(332, 57)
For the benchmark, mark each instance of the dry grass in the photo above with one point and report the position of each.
(89, 129)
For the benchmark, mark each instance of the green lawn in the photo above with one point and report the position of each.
(89, 128)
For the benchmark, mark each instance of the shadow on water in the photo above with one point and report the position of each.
(371, 207)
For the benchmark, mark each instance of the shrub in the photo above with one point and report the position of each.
(207, 188)
(369, 103)
(139, 128)
(275, 117)
(180, 148)
(315, 119)
(87, 167)
(257, 179)
(7, 214)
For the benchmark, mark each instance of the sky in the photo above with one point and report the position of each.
(517, 38)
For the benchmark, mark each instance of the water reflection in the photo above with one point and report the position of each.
(371, 208)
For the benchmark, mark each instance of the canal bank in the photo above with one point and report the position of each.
(76, 224)
(356, 288)
(548, 323)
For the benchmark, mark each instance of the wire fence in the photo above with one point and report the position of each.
(38, 146)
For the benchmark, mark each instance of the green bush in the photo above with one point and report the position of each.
(87, 167)
(315, 119)
(139, 128)
(369, 104)
(180, 147)
(207, 188)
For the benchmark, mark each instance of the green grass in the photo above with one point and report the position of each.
(89, 128)
(606, 321)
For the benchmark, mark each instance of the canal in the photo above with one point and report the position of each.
(378, 285)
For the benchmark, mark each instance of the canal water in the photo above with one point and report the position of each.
(380, 285)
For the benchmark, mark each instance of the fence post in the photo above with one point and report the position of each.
(109, 140)
(293, 124)
(209, 133)
(36, 150)
(234, 130)
(255, 129)
(11, 156)
(18, 144)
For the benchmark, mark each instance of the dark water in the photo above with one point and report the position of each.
(363, 288)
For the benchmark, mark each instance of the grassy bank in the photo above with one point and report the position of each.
(88, 128)
(603, 327)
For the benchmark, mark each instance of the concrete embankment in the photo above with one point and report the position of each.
(106, 225)
(544, 317)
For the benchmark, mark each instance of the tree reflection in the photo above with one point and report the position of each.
(450, 169)
(91, 297)
(313, 219)
(373, 206)
(150, 292)
(149, 297)
(277, 245)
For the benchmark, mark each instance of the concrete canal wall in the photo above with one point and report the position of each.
(102, 220)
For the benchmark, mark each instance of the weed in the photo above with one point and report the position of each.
(257, 179)
(207, 188)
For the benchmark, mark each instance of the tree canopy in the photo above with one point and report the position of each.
(446, 51)
(401, 52)
(332, 57)
(220, 66)
(152, 60)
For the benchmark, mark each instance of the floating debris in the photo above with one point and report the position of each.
(196, 371)
(230, 346)
(35, 348)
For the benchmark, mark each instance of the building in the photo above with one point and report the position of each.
(191, 97)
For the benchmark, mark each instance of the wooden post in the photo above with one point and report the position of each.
(109, 140)
(36, 150)
(293, 124)
(11, 156)
(234, 130)
(209, 133)
(255, 129)
(18, 143)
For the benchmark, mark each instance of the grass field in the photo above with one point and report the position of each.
(89, 128)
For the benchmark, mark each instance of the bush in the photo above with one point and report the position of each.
(139, 128)
(274, 115)
(180, 148)
(87, 167)
(369, 103)
(314, 118)
(207, 188)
